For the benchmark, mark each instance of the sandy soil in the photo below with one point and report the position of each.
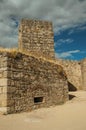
(70, 116)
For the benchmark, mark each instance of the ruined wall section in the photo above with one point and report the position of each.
(83, 70)
(3, 82)
(30, 77)
(37, 37)
(73, 71)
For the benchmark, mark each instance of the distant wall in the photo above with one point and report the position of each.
(30, 77)
(73, 71)
(37, 37)
(83, 70)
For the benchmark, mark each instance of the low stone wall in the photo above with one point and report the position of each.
(73, 71)
(34, 83)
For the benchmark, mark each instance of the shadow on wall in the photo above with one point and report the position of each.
(71, 87)
(71, 97)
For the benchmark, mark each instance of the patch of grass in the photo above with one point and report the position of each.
(13, 51)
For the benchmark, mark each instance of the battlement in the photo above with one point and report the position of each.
(36, 36)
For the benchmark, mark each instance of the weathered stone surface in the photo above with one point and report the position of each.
(36, 36)
(83, 70)
(28, 82)
(30, 78)
(73, 71)
(3, 82)
(36, 78)
(24, 78)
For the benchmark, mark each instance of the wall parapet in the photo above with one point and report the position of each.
(73, 72)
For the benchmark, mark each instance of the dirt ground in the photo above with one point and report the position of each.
(70, 116)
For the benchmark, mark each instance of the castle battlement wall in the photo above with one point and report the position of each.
(73, 71)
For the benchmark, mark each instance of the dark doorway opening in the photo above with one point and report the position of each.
(38, 99)
(71, 87)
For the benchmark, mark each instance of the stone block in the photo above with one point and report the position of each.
(3, 82)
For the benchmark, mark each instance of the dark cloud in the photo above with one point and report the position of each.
(63, 13)
(2, 1)
(81, 0)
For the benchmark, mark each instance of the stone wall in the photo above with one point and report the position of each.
(3, 82)
(29, 78)
(27, 81)
(73, 71)
(37, 37)
(83, 70)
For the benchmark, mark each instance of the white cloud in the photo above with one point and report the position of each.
(63, 41)
(77, 29)
(82, 28)
(71, 32)
(63, 13)
(66, 54)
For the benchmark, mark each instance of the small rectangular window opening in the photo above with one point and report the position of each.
(38, 99)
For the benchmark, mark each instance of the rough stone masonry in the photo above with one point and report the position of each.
(37, 37)
(30, 78)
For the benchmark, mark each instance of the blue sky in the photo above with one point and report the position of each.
(71, 43)
(68, 18)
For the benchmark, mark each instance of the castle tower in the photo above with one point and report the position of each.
(83, 70)
(37, 37)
